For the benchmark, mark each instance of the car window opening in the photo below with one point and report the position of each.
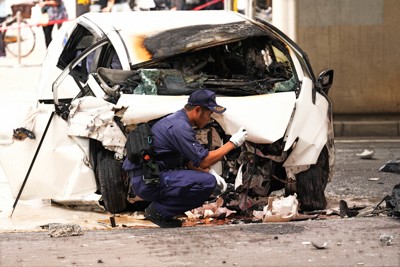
(81, 39)
(248, 67)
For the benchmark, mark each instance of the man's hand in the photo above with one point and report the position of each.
(239, 137)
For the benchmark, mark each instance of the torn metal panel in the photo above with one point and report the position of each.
(94, 118)
(88, 203)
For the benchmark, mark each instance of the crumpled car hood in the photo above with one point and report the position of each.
(265, 117)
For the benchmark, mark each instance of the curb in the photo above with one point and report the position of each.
(362, 125)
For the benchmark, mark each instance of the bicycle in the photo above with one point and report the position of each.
(14, 27)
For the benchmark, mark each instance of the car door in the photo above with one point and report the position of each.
(68, 48)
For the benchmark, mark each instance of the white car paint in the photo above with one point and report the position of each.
(68, 176)
(141, 109)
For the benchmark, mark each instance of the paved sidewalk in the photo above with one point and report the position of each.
(34, 59)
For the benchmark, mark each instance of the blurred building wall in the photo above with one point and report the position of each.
(359, 39)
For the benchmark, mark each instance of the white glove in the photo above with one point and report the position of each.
(221, 184)
(239, 137)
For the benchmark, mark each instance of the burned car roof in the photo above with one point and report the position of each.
(153, 35)
(198, 36)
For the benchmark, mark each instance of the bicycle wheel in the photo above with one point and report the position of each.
(27, 39)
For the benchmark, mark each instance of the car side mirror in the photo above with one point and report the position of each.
(325, 80)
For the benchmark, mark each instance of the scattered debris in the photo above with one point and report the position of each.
(80, 204)
(392, 206)
(319, 245)
(62, 230)
(112, 221)
(281, 209)
(391, 166)
(127, 220)
(278, 209)
(393, 202)
(385, 239)
(366, 154)
(386, 198)
(366, 212)
(345, 211)
(210, 210)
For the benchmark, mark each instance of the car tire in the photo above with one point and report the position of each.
(95, 156)
(109, 172)
(310, 185)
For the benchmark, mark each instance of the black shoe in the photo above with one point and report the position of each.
(152, 215)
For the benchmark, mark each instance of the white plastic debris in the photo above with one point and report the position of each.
(281, 209)
(366, 154)
(318, 245)
(385, 239)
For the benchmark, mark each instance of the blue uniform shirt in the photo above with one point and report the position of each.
(175, 142)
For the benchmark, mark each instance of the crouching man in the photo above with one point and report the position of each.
(185, 182)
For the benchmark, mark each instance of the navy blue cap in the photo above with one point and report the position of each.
(205, 98)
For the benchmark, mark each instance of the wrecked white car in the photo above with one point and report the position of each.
(110, 72)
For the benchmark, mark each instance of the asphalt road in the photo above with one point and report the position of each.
(350, 242)
(359, 179)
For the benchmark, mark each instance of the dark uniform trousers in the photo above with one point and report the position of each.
(177, 192)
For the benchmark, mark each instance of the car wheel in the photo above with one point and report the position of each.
(109, 172)
(310, 185)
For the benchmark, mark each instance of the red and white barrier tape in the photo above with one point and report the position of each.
(2, 29)
(207, 4)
